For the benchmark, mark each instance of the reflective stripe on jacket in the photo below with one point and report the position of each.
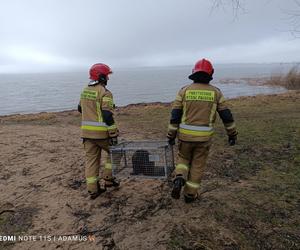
(93, 100)
(196, 130)
(93, 126)
(199, 103)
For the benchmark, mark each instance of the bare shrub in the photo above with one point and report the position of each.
(290, 81)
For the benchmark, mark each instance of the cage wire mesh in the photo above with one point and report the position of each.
(147, 159)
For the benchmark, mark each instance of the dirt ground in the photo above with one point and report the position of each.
(250, 194)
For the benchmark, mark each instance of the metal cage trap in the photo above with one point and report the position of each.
(146, 159)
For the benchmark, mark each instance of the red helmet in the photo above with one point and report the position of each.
(99, 69)
(204, 66)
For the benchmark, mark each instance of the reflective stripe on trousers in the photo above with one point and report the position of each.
(108, 166)
(193, 184)
(182, 167)
(92, 179)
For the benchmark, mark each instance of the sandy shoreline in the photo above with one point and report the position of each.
(140, 104)
(42, 182)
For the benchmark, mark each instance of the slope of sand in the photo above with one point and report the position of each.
(250, 192)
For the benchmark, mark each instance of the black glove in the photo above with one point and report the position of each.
(171, 136)
(79, 108)
(231, 140)
(113, 141)
(171, 141)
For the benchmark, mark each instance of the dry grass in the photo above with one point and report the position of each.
(290, 81)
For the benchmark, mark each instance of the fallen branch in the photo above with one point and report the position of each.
(7, 211)
(209, 190)
(30, 191)
(45, 177)
(96, 230)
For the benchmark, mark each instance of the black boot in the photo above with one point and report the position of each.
(100, 190)
(177, 185)
(189, 198)
(112, 183)
(93, 196)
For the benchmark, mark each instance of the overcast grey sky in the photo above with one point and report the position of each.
(36, 35)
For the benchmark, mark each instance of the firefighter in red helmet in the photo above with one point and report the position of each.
(98, 129)
(192, 119)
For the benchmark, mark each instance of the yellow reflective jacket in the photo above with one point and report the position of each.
(93, 100)
(199, 103)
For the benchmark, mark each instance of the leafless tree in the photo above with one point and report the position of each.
(294, 19)
(237, 6)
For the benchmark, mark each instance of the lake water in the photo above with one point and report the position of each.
(30, 93)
